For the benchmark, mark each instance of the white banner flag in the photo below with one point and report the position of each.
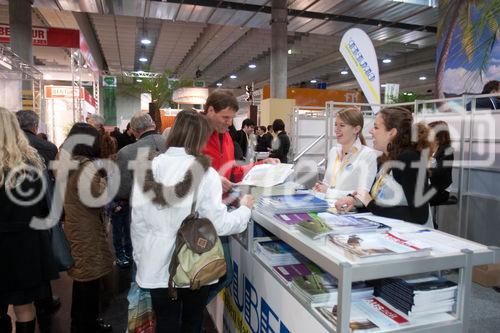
(359, 53)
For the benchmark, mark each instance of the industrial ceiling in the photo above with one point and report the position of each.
(217, 39)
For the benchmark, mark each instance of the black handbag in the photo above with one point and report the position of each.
(61, 248)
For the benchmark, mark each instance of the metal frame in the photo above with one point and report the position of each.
(347, 272)
(28, 73)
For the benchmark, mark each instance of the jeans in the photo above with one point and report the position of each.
(85, 306)
(185, 314)
(121, 231)
(227, 279)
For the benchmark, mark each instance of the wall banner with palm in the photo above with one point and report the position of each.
(468, 50)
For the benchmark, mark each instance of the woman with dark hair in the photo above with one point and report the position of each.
(26, 258)
(393, 193)
(85, 229)
(281, 144)
(180, 171)
(441, 162)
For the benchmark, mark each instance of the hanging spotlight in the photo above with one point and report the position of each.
(138, 80)
(143, 59)
(232, 76)
(422, 78)
(387, 61)
(313, 81)
(145, 41)
(252, 66)
(344, 72)
(219, 84)
(289, 51)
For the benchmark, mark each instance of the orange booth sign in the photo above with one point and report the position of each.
(317, 97)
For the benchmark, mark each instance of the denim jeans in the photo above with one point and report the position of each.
(121, 232)
(226, 280)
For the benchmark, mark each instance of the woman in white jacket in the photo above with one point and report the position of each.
(154, 226)
(351, 164)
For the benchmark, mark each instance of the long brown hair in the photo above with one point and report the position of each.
(190, 131)
(442, 135)
(402, 120)
(353, 117)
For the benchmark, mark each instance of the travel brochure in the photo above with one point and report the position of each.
(267, 175)
(377, 246)
(294, 203)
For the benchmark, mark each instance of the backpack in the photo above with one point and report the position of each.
(198, 256)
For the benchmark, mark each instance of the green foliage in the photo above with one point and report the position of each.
(403, 97)
(161, 88)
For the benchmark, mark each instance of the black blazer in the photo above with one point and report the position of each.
(407, 178)
(281, 146)
(241, 139)
(441, 176)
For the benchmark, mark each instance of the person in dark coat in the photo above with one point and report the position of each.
(281, 144)
(264, 139)
(28, 121)
(441, 163)
(26, 261)
(243, 135)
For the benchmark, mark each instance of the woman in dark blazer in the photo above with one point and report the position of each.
(281, 144)
(441, 162)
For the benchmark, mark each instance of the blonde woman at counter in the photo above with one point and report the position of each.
(351, 164)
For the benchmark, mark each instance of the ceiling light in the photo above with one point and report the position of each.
(232, 76)
(142, 59)
(422, 78)
(219, 84)
(289, 51)
(387, 61)
(383, 85)
(138, 80)
(145, 41)
(90, 74)
(313, 81)
(252, 66)
(344, 72)
(46, 76)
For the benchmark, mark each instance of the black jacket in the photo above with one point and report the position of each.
(264, 142)
(281, 146)
(47, 150)
(241, 139)
(441, 176)
(407, 178)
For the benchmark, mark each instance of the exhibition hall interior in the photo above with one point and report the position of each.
(245, 166)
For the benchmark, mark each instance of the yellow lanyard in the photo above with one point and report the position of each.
(378, 184)
(336, 171)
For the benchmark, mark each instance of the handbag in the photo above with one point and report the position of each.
(61, 248)
(198, 257)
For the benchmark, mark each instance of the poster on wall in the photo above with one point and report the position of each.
(468, 50)
(359, 53)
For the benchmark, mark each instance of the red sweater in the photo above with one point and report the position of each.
(222, 155)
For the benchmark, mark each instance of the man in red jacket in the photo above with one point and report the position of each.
(220, 108)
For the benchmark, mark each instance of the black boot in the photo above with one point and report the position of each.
(5, 324)
(25, 327)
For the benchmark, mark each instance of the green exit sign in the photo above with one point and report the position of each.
(199, 84)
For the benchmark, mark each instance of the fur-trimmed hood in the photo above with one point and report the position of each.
(159, 181)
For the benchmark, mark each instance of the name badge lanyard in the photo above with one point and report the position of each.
(337, 170)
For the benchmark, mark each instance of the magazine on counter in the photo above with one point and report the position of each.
(376, 246)
(316, 228)
(276, 252)
(292, 219)
(266, 175)
(345, 224)
(293, 203)
(358, 320)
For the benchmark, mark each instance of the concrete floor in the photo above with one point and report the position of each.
(484, 305)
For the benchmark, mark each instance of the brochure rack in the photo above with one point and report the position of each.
(347, 271)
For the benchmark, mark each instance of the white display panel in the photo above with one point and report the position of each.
(257, 303)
